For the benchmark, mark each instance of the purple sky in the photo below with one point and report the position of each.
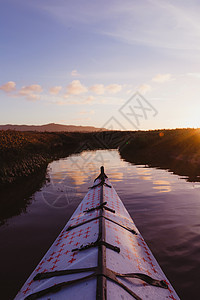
(78, 62)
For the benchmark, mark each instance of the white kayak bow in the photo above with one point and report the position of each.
(99, 254)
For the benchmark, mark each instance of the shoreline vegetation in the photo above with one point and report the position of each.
(23, 154)
(177, 150)
(24, 157)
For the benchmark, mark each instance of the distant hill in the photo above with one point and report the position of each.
(52, 127)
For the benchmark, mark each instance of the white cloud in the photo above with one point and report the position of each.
(86, 112)
(8, 87)
(128, 92)
(70, 100)
(76, 88)
(32, 97)
(160, 78)
(75, 73)
(98, 89)
(84, 115)
(89, 99)
(196, 75)
(144, 88)
(66, 96)
(55, 90)
(60, 102)
(114, 88)
(30, 89)
(30, 92)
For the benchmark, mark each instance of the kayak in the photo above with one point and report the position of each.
(99, 254)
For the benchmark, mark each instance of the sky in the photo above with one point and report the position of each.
(120, 64)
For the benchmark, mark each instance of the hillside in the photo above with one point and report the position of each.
(51, 127)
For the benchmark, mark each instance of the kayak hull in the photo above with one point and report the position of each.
(99, 254)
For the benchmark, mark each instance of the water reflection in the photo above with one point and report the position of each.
(188, 169)
(162, 186)
(117, 176)
(165, 208)
(144, 173)
(15, 198)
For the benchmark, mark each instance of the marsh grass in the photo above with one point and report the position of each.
(25, 153)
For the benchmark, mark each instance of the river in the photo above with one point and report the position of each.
(164, 206)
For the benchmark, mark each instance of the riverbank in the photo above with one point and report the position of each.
(24, 157)
(24, 153)
(177, 150)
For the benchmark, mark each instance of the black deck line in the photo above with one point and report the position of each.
(101, 271)
(101, 292)
(96, 218)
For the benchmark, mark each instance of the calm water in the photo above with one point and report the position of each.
(165, 208)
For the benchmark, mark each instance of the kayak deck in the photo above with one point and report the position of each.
(99, 254)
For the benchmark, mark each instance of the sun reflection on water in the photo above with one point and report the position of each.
(162, 186)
